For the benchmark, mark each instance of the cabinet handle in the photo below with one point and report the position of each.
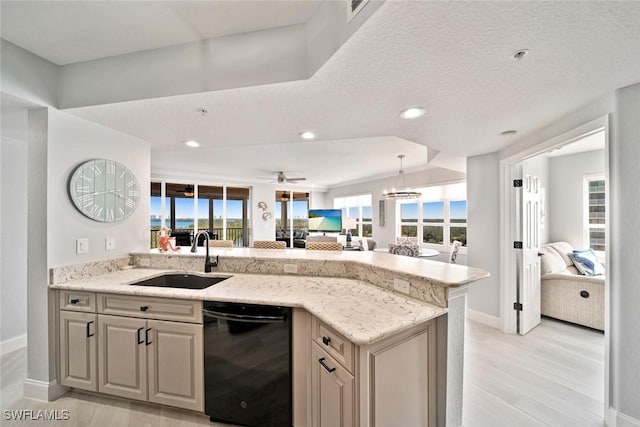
(89, 334)
(144, 308)
(326, 340)
(140, 341)
(321, 360)
(74, 301)
(146, 336)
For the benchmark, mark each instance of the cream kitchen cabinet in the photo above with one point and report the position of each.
(145, 348)
(152, 360)
(78, 366)
(389, 383)
(333, 399)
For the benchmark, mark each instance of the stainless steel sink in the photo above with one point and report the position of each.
(181, 280)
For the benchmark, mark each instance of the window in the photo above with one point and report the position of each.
(288, 213)
(595, 198)
(358, 207)
(188, 208)
(439, 218)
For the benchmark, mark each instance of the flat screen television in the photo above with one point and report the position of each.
(326, 220)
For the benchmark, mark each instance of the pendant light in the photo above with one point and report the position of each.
(401, 191)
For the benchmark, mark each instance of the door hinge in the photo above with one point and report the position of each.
(517, 306)
(517, 183)
(517, 244)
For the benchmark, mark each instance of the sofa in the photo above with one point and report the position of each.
(566, 294)
(299, 238)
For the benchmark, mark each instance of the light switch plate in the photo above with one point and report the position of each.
(401, 286)
(82, 246)
(109, 243)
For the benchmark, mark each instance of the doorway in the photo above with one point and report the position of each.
(509, 170)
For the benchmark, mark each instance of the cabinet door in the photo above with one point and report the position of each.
(122, 358)
(176, 366)
(78, 366)
(332, 388)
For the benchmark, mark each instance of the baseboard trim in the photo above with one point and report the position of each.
(484, 318)
(618, 419)
(41, 390)
(13, 344)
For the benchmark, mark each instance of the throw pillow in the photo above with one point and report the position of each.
(587, 263)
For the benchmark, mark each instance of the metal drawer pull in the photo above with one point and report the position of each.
(584, 294)
(74, 301)
(144, 308)
(89, 334)
(140, 341)
(321, 360)
(326, 340)
(146, 336)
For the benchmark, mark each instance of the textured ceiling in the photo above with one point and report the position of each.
(84, 30)
(452, 58)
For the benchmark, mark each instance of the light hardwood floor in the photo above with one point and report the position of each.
(554, 376)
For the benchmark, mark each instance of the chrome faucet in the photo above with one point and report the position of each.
(207, 261)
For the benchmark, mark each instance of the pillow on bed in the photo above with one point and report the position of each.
(587, 263)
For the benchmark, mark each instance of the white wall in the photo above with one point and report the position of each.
(71, 141)
(566, 194)
(539, 166)
(261, 229)
(387, 234)
(483, 231)
(13, 228)
(624, 274)
(28, 76)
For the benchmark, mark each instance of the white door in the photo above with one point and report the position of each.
(528, 304)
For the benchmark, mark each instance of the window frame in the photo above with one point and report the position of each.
(346, 203)
(586, 226)
(446, 225)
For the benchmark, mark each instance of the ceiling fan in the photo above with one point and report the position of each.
(282, 178)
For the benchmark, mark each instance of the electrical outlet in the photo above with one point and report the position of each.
(109, 243)
(401, 286)
(82, 246)
(291, 268)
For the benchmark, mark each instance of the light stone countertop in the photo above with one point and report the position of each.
(362, 312)
(436, 272)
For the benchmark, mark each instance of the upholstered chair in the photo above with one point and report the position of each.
(220, 243)
(269, 244)
(406, 249)
(324, 246)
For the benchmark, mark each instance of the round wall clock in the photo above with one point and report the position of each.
(104, 190)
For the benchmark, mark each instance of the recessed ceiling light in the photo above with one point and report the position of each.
(412, 113)
(191, 143)
(510, 132)
(307, 135)
(519, 54)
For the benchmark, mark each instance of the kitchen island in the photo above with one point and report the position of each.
(348, 294)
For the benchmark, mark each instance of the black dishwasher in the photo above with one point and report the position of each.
(247, 363)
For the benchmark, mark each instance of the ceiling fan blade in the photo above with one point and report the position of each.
(296, 179)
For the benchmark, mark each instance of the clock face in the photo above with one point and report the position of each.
(104, 190)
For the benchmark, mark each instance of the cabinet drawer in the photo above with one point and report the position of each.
(78, 301)
(334, 343)
(151, 308)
